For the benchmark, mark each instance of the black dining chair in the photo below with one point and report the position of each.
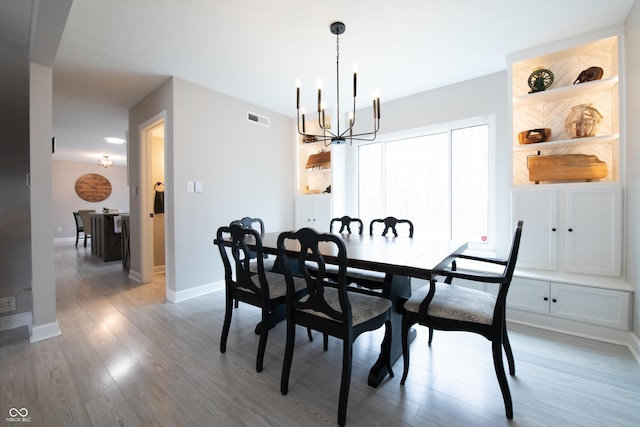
(390, 223)
(328, 307)
(457, 308)
(263, 289)
(79, 228)
(345, 224)
(257, 224)
(86, 223)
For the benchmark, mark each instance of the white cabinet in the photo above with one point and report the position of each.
(594, 230)
(549, 108)
(576, 229)
(313, 211)
(604, 307)
(538, 208)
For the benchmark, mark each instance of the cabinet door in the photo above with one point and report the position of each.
(313, 211)
(528, 295)
(539, 211)
(603, 307)
(594, 230)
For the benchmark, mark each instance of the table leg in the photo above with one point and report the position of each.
(400, 288)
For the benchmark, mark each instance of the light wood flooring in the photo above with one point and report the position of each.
(128, 357)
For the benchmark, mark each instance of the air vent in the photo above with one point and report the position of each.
(257, 119)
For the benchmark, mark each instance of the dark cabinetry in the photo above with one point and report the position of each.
(106, 238)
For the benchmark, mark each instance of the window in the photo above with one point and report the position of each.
(436, 177)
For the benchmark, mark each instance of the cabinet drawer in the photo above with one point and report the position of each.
(529, 295)
(603, 307)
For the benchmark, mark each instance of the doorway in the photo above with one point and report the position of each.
(152, 205)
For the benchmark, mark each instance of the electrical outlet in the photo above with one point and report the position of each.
(59, 229)
(7, 304)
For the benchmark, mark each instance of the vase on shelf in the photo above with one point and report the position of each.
(582, 121)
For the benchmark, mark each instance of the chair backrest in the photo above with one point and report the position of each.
(248, 222)
(346, 222)
(240, 238)
(510, 267)
(78, 219)
(86, 219)
(513, 253)
(310, 264)
(390, 223)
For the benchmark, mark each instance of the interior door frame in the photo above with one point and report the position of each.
(146, 200)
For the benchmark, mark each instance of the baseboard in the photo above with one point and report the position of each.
(44, 332)
(134, 275)
(634, 346)
(16, 320)
(67, 241)
(159, 269)
(179, 296)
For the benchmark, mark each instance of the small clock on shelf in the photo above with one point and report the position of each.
(540, 79)
(93, 187)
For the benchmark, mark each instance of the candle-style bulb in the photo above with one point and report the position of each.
(355, 82)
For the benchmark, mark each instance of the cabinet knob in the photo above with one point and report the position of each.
(553, 229)
(554, 300)
(546, 298)
(570, 230)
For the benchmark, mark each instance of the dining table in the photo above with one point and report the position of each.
(402, 257)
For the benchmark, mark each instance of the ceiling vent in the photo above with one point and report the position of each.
(257, 119)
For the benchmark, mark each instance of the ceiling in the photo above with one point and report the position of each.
(113, 53)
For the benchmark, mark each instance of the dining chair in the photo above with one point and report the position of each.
(79, 227)
(456, 308)
(390, 223)
(345, 224)
(328, 307)
(263, 289)
(258, 224)
(86, 223)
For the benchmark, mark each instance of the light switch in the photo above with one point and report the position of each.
(190, 186)
(198, 186)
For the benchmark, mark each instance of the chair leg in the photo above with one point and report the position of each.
(507, 349)
(262, 345)
(309, 335)
(430, 335)
(228, 311)
(496, 347)
(325, 342)
(288, 356)
(406, 325)
(85, 240)
(345, 384)
(77, 237)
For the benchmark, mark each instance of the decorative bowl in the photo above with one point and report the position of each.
(533, 136)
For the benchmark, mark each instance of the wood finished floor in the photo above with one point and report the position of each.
(128, 358)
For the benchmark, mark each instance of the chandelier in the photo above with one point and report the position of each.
(325, 134)
(105, 162)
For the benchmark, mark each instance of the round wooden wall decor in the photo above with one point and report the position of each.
(93, 187)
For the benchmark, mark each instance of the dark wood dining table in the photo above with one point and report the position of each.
(403, 257)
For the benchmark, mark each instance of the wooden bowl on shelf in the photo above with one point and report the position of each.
(533, 136)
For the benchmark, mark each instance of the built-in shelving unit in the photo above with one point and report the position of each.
(570, 265)
(550, 108)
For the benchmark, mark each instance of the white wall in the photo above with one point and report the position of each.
(246, 170)
(632, 157)
(66, 200)
(45, 324)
